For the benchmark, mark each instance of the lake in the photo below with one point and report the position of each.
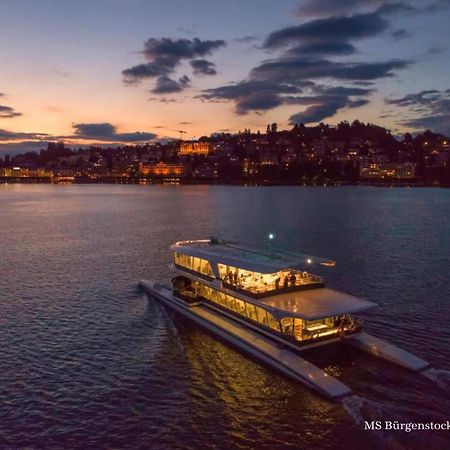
(87, 361)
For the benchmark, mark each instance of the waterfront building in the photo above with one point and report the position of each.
(388, 171)
(194, 148)
(20, 172)
(161, 170)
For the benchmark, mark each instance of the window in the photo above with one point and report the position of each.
(287, 325)
(196, 264)
(261, 314)
(231, 303)
(273, 323)
(240, 307)
(251, 312)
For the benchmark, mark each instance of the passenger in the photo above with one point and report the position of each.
(285, 282)
(230, 276)
(277, 283)
(293, 279)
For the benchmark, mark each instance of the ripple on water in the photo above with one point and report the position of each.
(87, 362)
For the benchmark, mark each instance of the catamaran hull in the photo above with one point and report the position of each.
(253, 343)
(279, 357)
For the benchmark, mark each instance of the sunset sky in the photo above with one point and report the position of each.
(131, 71)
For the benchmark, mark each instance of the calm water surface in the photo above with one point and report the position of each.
(86, 361)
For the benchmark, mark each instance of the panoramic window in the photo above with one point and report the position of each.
(193, 263)
(260, 283)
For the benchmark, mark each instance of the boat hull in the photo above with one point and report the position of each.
(252, 343)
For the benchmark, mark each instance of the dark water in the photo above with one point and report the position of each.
(87, 362)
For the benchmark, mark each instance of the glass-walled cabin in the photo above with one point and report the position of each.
(261, 284)
(195, 265)
(252, 283)
(292, 328)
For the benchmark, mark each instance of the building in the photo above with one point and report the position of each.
(194, 148)
(161, 170)
(20, 172)
(387, 171)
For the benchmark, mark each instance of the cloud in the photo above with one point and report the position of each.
(320, 8)
(246, 39)
(311, 53)
(107, 132)
(165, 55)
(430, 109)
(289, 81)
(166, 85)
(259, 95)
(291, 70)
(7, 112)
(326, 102)
(341, 28)
(203, 67)
(6, 135)
(400, 34)
(251, 95)
(323, 48)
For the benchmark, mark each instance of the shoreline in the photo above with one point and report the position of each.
(174, 181)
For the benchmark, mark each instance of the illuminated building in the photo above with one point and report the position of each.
(194, 148)
(388, 171)
(19, 172)
(161, 170)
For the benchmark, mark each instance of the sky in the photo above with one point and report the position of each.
(133, 71)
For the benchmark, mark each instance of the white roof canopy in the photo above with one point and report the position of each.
(314, 304)
(310, 304)
(247, 257)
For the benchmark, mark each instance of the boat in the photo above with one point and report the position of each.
(270, 304)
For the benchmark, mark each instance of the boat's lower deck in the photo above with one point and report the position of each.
(251, 341)
(299, 332)
(276, 352)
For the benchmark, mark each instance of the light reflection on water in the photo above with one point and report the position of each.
(87, 361)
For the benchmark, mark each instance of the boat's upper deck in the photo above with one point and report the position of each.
(276, 280)
(249, 258)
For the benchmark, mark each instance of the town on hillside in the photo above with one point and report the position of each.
(348, 153)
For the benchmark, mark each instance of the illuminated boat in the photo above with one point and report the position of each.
(268, 303)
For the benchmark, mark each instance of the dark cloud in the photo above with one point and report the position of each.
(251, 95)
(335, 28)
(316, 113)
(294, 69)
(107, 132)
(323, 48)
(307, 52)
(166, 85)
(320, 8)
(179, 49)
(427, 109)
(246, 39)
(203, 67)
(151, 70)
(258, 95)
(164, 55)
(7, 112)
(400, 34)
(6, 135)
(326, 102)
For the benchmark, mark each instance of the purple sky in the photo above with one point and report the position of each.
(129, 71)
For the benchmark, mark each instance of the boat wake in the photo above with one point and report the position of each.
(363, 412)
(439, 376)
